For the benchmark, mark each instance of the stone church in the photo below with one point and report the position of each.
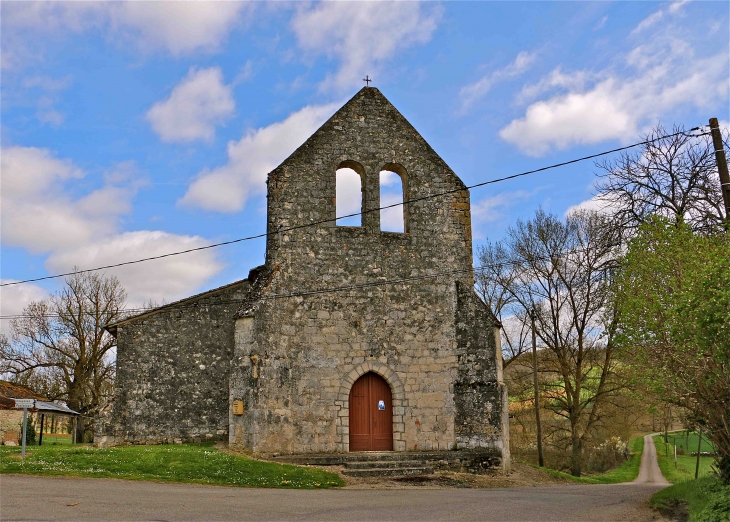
(347, 338)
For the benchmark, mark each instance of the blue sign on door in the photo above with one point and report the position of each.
(381, 405)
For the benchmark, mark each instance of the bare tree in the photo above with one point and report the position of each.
(675, 177)
(563, 270)
(61, 342)
(490, 281)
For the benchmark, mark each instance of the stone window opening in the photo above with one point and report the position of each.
(393, 190)
(349, 193)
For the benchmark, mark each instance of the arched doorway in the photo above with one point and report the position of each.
(371, 414)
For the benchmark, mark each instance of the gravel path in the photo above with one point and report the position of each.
(649, 472)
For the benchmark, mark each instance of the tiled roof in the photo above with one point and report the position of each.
(10, 391)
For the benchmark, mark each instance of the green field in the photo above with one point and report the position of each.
(685, 468)
(198, 463)
(688, 444)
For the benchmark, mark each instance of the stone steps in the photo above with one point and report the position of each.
(370, 464)
(390, 471)
(398, 463)
(335, 459)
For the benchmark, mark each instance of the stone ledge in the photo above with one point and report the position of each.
(470, 461)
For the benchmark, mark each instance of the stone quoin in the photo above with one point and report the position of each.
(288, 363)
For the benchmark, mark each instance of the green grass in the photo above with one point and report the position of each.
(706, 499)
(53, 440)
(685, 469)
(198, 463)
(689, 444)
(627, 471)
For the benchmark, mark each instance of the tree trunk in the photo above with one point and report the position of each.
(80, 424)
(576, 455)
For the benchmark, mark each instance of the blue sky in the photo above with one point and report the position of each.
(134, 129)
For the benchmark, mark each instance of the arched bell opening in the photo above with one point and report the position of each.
(349, 190)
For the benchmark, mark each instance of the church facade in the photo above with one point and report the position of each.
(348, 338)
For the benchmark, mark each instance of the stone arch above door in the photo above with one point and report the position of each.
(343, 403)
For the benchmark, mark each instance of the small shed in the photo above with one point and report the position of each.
(12, 417)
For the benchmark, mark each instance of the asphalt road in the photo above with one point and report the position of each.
(43, 498)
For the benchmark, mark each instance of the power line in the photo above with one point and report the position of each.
(314, 223)
(171, 307)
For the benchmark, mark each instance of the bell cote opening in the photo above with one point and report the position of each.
(349, 194)
(393, 193)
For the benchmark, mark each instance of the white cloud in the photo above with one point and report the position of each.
(51, 88)
(594, 204)
(492, 209)
(197, 104)
(13, 299)
(180, 28)
(557, 79)
(649, 21)
(167, 279)
(361, 35)
(50, 116)
(226, 188)
(28, 169)
(663, 73)
(471, 93)
(656, 17)
(601, 23)
(244, 74)
(38, 215)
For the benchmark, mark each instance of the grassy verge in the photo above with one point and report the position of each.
(705, 500)
(197, 463)
(625, 472)
(685, 468)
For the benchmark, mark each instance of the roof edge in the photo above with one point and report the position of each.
(112, 327)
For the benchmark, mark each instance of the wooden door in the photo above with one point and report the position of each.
(371, 414)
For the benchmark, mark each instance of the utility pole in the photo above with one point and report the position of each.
(541, 460)
(699, 450)
(721, 166)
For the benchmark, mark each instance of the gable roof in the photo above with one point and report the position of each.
(370, 103)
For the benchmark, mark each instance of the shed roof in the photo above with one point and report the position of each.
(10, 391)
(52, 407)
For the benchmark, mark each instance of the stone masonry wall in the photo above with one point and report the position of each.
(478, 390)
(296, 357)
(10, 424)
(173, 371)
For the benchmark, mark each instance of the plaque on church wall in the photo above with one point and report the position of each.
(237, 407)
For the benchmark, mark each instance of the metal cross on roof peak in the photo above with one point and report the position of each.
(367, 80)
